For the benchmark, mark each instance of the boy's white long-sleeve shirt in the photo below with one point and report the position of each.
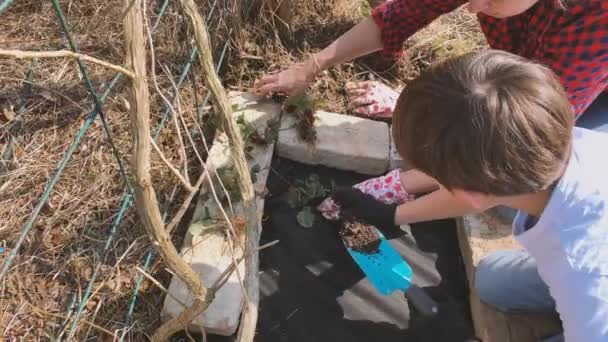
(570, 240)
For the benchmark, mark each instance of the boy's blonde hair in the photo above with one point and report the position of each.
(490, 122)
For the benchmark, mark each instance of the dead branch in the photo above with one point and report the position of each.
(252, 238)
(62, 54)
(46, 313)
(182, 210)
(172, 168)
(174, 113)
(160, 286)
(145, 198)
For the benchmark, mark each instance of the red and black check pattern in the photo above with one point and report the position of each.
(573, 42)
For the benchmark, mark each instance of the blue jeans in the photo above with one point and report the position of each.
(509, 280)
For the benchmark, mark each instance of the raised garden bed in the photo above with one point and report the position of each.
(310, 287)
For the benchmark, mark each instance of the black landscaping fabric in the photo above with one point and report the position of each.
(311, 290)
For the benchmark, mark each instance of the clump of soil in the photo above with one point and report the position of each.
(359, 236)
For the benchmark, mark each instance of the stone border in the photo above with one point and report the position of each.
(205, 247)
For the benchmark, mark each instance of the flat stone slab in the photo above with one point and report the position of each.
(343, 142)
(206, 247)
(478, 236)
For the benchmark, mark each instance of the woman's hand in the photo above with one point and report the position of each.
(360, 40)
(290, 81)
(372, 99)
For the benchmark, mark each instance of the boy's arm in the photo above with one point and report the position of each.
(416, 182)
(439, 204)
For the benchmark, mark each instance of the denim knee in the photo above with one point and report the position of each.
(488, 280)
(509, 281)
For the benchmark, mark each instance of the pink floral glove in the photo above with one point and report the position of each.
(372, 99)
(386, 189)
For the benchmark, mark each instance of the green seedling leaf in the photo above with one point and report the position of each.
(306, 218)
(314, 188)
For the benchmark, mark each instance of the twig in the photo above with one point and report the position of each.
(91, 324)
(174, 113)
(160, 286)
(182, 210)
(178, 129)
(126, 10)
(181, 117)
(145, 197)
(200, 131)
(74, 103)
(86, 336)
(179, 176)
(62, 54)
(223, 278)
(250, 311)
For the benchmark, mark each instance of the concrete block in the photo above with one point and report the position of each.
(343, 142)
(209, 257)
(206, 247)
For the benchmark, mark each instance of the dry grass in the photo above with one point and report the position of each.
(66, 243)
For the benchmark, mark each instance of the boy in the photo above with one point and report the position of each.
(491, 129)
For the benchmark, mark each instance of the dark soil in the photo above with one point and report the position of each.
(360, 236)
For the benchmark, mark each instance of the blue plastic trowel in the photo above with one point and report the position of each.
(388, 271)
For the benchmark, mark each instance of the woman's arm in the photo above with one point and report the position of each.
(390, 25)
(361, 40)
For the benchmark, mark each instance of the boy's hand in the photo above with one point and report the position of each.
(353, 202)
(386, 189)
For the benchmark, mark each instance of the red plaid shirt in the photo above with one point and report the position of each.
(573, 42)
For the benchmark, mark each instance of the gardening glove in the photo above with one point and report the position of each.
(372, 99)
(386, 189)
(290, 81)
(354, 203)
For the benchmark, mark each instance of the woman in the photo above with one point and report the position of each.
(569, 36)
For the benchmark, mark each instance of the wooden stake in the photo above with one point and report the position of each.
(253, 226)
(145, 198)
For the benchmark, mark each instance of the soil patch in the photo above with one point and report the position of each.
(360, 236)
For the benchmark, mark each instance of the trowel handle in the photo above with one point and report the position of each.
(421, 301)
